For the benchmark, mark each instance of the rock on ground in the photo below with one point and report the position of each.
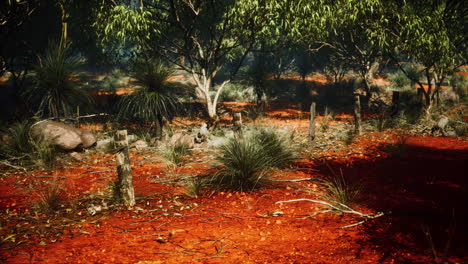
(62, 136)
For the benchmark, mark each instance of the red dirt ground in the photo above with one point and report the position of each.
(423, 195)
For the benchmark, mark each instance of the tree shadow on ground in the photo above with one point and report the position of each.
(424, 196)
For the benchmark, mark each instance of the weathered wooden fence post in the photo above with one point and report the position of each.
(357, 114)
(124, 169)
(237, 122)
(312, 124)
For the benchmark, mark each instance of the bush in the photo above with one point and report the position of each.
(236, 92)
(175, 151)
(155, 102)
(55, 92)
(16, 140)
(399, 80)
(459, 84)
(246, 160)
(18, 143)
(51, 197)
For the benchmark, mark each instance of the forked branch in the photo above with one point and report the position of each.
(341, 208)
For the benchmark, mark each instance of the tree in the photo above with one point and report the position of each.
(200, 37)
(154, 102)
(54, 91)
(13, 16)
(433, 34)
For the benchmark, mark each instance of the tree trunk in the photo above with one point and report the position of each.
(357, 114)
(124, 170)
(395, 103)
(312, 124)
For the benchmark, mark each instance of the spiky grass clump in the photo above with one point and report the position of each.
(175, 152)
(18, 143)
(55, 92)
(194, 186)
(16, 140)
(51, 197)
(246, 160)
(44, 155)
(340, 191)
(155, 101)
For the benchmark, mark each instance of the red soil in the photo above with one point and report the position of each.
(423, 196)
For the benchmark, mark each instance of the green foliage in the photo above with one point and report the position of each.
(18, 143)
(54, 91)
(154, 102)
(247, 159)
(111, 82)
(43, 155)
(237, 92)
(174, 152)
(459, 84)
(253, 112)
(258, 75)
(399, 80)
(16, 140)
(348, 134)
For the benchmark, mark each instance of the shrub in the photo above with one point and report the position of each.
(18, 143)
(154, 102)
(246, 160)
(51, 197)
(253, 112)
(16, 140)
(399, 80)
(54, 91)
(328, 116)
(175, 151)
(459, 84)
(43, 155)
(236, 92)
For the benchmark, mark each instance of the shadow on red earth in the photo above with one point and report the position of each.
(424, 196)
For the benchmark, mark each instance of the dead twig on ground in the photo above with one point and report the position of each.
(343, 208)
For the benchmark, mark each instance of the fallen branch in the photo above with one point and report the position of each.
(12, 166)
(341, 208)
(295, 180)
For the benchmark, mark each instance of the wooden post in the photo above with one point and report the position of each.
(357, 114)
(237, 122)
(312, 124)
(124, 169)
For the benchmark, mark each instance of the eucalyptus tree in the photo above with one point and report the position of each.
(199, 37)
(432, 33)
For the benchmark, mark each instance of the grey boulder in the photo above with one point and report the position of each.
(62, 136)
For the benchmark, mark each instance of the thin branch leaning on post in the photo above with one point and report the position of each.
(343, 208)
